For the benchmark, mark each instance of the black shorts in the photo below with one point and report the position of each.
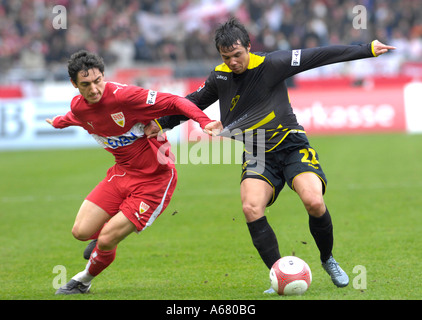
(281, 165)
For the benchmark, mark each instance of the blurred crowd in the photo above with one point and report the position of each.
(126, 32)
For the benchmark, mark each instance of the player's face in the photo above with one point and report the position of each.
(236, 58)
(90, 84)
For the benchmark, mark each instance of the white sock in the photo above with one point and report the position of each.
(83, 277)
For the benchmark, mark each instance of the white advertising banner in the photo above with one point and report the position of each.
(340, 111)
(23, 126)
(413, 107)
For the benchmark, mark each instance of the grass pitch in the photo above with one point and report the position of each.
(200, 247)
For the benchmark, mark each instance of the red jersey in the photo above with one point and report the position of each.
(117, 123)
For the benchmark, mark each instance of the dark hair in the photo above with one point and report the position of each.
(229, 33)
(83, 61)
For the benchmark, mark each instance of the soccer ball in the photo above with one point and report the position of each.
(290, 276)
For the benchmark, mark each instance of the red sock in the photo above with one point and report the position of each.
(99, 260)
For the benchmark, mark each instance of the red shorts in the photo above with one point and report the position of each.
(141, 199)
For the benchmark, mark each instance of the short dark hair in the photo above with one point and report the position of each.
(229, 33)
(83, 61)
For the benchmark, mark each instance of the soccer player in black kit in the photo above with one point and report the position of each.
(255, 106)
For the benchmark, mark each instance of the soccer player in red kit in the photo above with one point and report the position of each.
(138, 188)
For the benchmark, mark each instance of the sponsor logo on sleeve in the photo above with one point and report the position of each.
(202, 86)
(296, 58)
(152, 95)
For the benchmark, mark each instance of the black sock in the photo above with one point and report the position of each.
(322, 230)
(264, 240)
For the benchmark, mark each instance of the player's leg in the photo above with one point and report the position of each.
(89, 221)
(118, 228)
(309, 187)
(89, 218)
(89, 248)
(146, 199)
(103, 194)
(255, 195)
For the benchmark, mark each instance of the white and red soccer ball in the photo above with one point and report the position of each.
(290, 276)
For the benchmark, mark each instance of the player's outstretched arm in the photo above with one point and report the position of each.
(60, 122)
(213, 128)
(379, 48)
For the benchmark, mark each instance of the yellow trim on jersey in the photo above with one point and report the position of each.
(158, 124)
(276, 133)
(267, 119)
(278, 128)
(282, 139)
(254, 61)
(372, 49)
(222, 67)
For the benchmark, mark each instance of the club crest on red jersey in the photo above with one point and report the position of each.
(143, 207)
(119, 118)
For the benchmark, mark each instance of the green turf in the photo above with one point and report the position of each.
(200, 247)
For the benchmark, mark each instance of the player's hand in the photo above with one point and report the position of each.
(213, 128)
(152, 130)
(380, 48)
(50, 121)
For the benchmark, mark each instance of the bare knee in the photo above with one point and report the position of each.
(310, 190)
(255, 195)
(89, 220)
(106, 242)
(252, 212)
(315, 206)
(79, 234)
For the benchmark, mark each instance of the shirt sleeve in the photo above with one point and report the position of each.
(287, 63)
(147, 105)
(69, 119)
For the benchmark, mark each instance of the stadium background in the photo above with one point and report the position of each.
(371, 95)
(362, 117)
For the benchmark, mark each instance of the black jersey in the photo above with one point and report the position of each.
(257, 100)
